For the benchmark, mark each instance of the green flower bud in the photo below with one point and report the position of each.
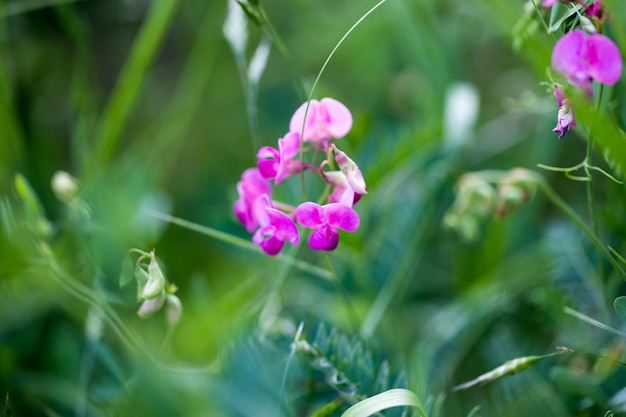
(156, 280)
(149, 307)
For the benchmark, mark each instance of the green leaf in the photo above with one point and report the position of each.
(127, 271)
(620, 308)
(388, 399)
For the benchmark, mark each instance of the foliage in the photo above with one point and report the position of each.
(483, 244)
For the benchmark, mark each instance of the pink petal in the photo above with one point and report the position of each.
(559, 95)
(259, 210)
(297, 120)
(605, 61)
(289, 146)
(341, 217)
(310, 215)
(548, 3)
(285, 227)
(569, 57)
(272, 246)
(251, 186)
(324, 238)
(340, 118)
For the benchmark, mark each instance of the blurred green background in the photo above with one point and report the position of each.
(143, 102)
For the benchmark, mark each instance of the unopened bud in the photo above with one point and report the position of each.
(515, 190)
(351, 171)
(156, 280)
(475, 196)
(174, 309)
(149, 307)
(64, 186)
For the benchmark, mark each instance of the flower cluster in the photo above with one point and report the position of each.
(582, 58)
(312, 129)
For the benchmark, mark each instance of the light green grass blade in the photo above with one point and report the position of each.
(130, 80)
(388, 399)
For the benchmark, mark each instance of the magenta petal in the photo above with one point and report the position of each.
(286, 229)
(605, 61)
(340, 118)
(341, 217)
(251, 186)
(272, 245)
(267, 168)
(569, 57)
(324, 238)
(310, 215)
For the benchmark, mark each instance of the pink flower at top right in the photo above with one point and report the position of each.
(583, 57)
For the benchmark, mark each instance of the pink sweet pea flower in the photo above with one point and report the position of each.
(582, 58)
(326, 220)
(276, 228)
(250, 188)
(277, 163)
(325, 120)
(549, 3)
(565, 119)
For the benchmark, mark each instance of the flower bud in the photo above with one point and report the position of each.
(514, 190)
(475, 196)
(351, 171)
(174, 309)
(64, 186)
(149, 307)
(156, 280)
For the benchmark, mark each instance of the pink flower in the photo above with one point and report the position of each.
(565, 118)
(276, 228)
(250, 188)
(277, 163)
(582, 58)
(549, 3)
(326, 220)
(325, 120)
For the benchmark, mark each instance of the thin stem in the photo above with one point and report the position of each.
(280, 45)
(571, 214)
(237, 241)
(319, 75)
(590, 199)
(543, 22)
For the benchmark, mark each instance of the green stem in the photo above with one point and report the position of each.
(590, 199)
(571, 214)
(130, 81)
(239, 242)
(319, 75)
(280, 45)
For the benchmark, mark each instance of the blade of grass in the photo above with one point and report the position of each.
(239, 242)
(130, 81)
(388, 399)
